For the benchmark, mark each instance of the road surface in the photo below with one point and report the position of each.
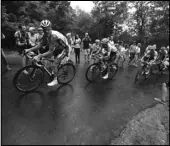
(77, 113)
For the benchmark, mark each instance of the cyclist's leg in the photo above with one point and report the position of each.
(57, 55)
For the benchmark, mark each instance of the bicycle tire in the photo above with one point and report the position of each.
(88, 70)
(136, 77)
(114, 64)
(60, 68)
(16, 77)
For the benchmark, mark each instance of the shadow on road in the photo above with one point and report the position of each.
(31, 104)
(61, 91)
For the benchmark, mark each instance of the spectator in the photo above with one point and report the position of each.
(122, 51)
(86, 41)
(132, 53)
(22, 41)
(33, 38)
(7, 68)
(70, 42)
(111, 42)
(77, 48)
(138, 48)
(40, 34)
(165, 93)
(22, 38)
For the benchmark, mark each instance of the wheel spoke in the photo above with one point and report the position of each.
(66, 73)
(28, 78)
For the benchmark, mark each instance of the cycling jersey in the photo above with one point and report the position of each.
(162, 54)
(150, 55)
(55, 41)
(112, 47)
(95, 48)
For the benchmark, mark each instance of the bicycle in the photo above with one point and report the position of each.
(37, 71)
(100, 68)
(146, 67)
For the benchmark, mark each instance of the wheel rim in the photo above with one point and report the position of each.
(30, 81)
(93, 72)
(65, 73)
(138, 75)
(113, 71)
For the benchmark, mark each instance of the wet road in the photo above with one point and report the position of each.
(77, 113)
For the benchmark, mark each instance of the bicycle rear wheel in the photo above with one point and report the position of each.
(66, 73)
(93, 72)
(28, 78)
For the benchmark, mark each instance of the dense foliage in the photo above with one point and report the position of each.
(149, 23)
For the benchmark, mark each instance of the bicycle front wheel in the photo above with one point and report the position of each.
(28, 78)
(66, 73)
(139, 75)
(113, 70)
(93, 72)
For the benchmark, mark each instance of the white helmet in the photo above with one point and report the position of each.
(97, 41)
(45, 23)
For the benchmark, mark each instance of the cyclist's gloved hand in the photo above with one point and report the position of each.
(26, 50)
(36, 58)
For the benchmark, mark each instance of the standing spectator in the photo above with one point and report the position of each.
(77, 48)
(70, 42)
(132, 53)
(86, 41)
(22, 38)
(138, 48)
(111, 42)
(121, 50)
(22, 41)
(40, 34)
(3, 56)
(33, 38)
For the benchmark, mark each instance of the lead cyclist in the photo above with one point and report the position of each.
(57, 42)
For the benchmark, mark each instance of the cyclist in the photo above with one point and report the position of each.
(57, 43)
(150, 56)
(162, 56)
(95, 49)
(108, 53)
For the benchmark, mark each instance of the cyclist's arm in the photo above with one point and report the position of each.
(65, 46)
(155, 57)
(35, 47)
(108, 55)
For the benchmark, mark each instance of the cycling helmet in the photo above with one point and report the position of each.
(40, 29)
(154, 46)
(97, 41)
(31, 28)
(163, 48)
(45, 23)
(104, 41)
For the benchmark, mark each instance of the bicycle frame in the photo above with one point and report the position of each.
(42, 66)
